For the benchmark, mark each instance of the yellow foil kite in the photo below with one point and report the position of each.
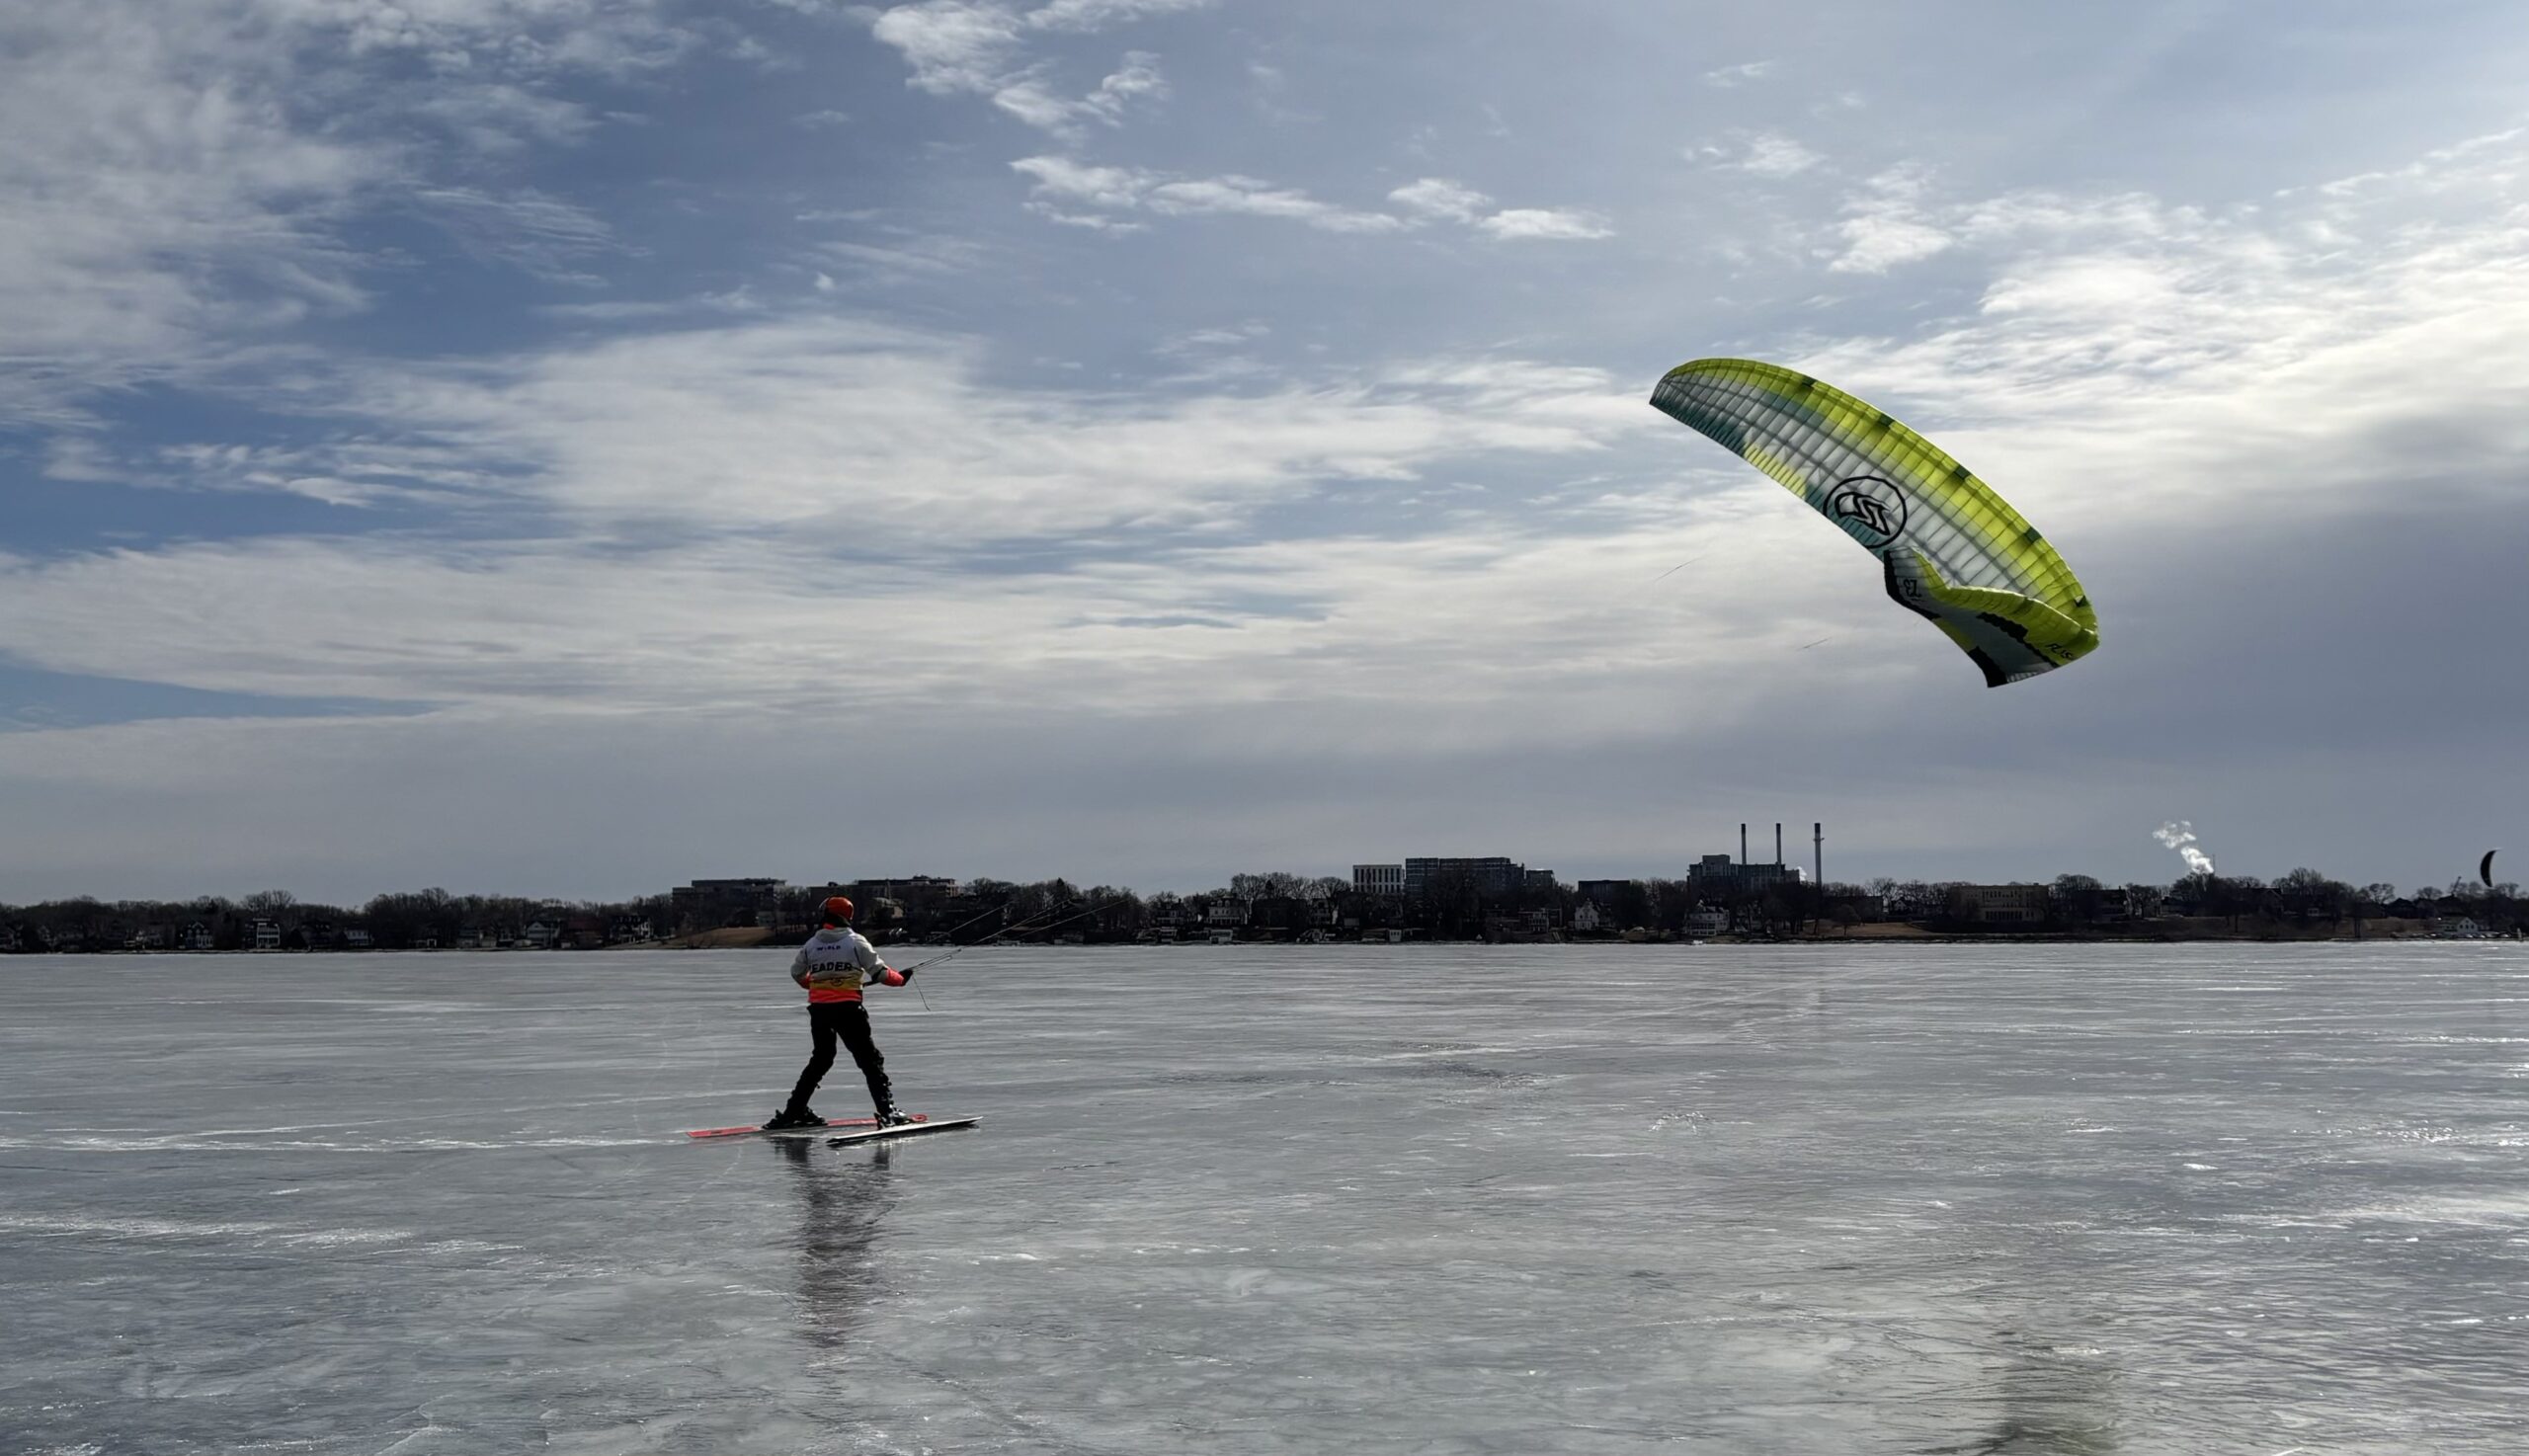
(1951, 549)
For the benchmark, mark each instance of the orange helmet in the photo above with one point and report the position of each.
(836, 909)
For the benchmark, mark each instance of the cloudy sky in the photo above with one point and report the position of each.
(568, 446)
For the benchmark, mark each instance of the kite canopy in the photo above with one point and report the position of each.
(1950, 549)
(2484, 868)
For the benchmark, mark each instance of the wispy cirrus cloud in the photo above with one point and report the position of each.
(773, 422)
(2308, 345)
(1730, 77)
(1063, 187)
(1554, 225)
(527, 229)
(757, 447)
(540, 629)
(1770, 154)
(1098, 15)
(1887, 226)
(1137, 81)
(979, 47)
(181, 181)
(1442, 198)
(1436, 197)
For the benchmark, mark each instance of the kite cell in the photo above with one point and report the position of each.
(1949, 547)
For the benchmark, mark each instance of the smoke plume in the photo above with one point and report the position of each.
(2179, 834)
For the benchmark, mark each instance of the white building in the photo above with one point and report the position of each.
(1379, 879)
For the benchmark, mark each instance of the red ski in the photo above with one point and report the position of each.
(790, 1132)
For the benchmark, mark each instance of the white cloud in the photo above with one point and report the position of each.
(1061, 177)
(533, 629)
(178, 180)
(1773, 154)
(1885, 228)
(977, 46)
(1030, 100)
(527, 229)
(2132, 358)
(1877, 240)
(1099, 15)
(503, 119)
(778, 422)
(1548, 224)
(1436, 197)
(546, 35)
(1061, 183)
(1137, 79)
(953, 46)
(1728, 77)
(1253, 198)
(775, 449)
(148, 208)
(907, 256)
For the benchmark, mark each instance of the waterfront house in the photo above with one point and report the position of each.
(2003, 905)
(1281, 916)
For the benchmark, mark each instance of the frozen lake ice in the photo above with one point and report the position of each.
(1709, 1199)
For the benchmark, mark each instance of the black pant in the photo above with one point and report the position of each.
(849, 1019)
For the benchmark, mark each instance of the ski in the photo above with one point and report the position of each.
(915, 1128)
(787, 1132)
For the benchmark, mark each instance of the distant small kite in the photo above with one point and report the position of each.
(2484, 868)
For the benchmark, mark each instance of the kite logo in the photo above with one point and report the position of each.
(1871, 509)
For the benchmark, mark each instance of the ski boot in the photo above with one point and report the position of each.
(789, 1118)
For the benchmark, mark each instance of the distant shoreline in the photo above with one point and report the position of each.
(1894, 934)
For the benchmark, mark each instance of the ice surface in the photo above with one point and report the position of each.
(1964, 1200)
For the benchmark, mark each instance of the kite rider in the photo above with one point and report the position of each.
(831, 968)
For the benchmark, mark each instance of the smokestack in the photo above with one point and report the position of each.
(1818, 837)
(1777, 843)
(1743, 844)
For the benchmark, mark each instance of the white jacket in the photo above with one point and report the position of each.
(835, 962)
